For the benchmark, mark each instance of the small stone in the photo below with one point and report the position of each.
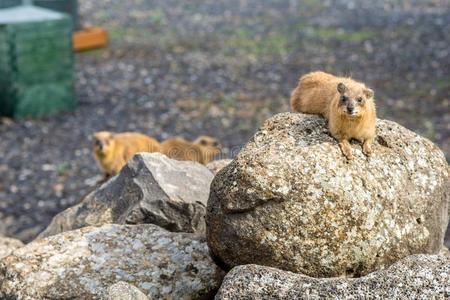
(125, 291)
(216, 165)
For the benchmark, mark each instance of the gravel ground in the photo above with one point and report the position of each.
(220, 68)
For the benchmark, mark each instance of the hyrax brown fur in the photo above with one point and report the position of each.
(113, 150)
(348, 106)
(202, 150)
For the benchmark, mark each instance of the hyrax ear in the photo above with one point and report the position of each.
(369, 93)
(341, 88)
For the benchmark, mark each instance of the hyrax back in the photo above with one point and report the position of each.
(313, 94)
(113, 150)
(348, 106)
(202, 150)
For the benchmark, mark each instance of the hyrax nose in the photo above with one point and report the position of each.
(350, 109)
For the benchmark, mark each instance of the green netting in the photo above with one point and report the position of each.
(45, 99)
(6, 98)
(36, 62)
(44, 76)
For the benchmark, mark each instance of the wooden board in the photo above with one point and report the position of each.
(89, 38)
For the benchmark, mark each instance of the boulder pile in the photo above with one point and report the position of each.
(290, 216)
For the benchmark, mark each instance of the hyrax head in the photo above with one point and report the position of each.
(353, 99)
(103, 142)
(211, 144)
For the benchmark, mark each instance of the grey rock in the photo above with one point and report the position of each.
(216, 165)
(415, 277)
(447, 237)
(84, 263)
(8, 245)
(291, 200)
(125, 291)
(151, 188)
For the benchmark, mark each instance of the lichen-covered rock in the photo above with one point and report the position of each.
(84, 263)
(7, 245)
(125, 291)
(151, 188)
(291, 200)
(415, 277)
(216, 165)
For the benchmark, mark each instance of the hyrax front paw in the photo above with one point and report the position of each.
(367, 148)
(346, 149)
(348, 154)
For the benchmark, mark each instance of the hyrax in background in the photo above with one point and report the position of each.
(348, 106)
(202, 150)
(113, 150)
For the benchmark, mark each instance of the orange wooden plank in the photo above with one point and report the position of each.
(89, 38)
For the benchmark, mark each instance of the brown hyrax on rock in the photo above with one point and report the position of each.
(202, 150)
(348, 106)
(113, 150)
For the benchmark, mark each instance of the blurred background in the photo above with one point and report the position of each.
(219, 68)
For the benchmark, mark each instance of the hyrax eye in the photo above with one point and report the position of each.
(359, 99)
(343, 98)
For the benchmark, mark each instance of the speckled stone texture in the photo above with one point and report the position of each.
(151, 188)
(415, 277)
(7, 245)
(125, 291)
(84, 263)
(291, 200)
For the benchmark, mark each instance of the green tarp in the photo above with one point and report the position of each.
(65, 6)
(36, 62)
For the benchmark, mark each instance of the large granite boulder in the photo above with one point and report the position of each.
(291, 200)
(415, 277)
(8, 245)
(151, 188)
(84, 263)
